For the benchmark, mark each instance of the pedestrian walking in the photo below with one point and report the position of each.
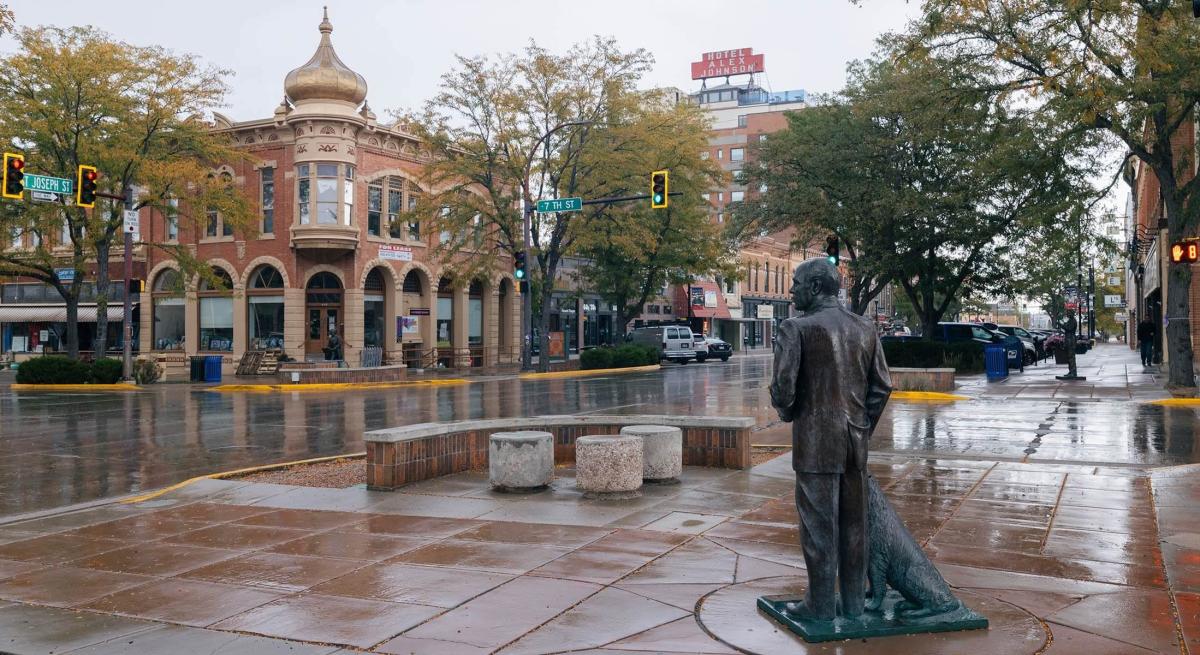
(1146, 332)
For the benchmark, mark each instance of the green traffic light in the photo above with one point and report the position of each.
(832, 259)
(658, 198)
(519, 274)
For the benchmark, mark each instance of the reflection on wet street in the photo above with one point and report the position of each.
(57, 449)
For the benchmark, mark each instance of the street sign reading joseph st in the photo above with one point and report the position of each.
(48, 184)
(557, 205)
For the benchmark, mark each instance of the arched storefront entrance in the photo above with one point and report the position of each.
(375, 308)
(322, 311)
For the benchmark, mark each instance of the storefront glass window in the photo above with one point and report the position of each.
(373, 321)
(216, 324)
(266, 322)
(475, 322)
(445, 321)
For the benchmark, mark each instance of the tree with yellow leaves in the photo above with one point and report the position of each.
(78, 96)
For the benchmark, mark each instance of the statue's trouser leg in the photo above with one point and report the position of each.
(817, 503)
(852, 540)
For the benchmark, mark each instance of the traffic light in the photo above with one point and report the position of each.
(136, 286)
(519, 270)
(831, 249)
(1185, 252)
(85, 193)
(659, 191)
(14, 179)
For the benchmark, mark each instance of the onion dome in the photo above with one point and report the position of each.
(325, 77)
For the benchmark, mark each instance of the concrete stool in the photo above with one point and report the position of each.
(662, 451)
(520, 461)
(609, 465)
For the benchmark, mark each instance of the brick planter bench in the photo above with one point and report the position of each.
(330, 374)
(923, 379)
(400, 456)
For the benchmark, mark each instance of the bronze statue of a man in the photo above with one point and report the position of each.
(831, 383)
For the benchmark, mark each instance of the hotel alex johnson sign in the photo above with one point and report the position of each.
(724, 63)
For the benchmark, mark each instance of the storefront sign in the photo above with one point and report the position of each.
(418, 311)
(395, 253)
(765, 311)
(696, 296)
(406, 325)
(724, 63)
(1112, 300)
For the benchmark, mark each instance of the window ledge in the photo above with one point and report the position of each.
(217, 240)
(266, 237)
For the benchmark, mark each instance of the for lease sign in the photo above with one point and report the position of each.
(723, 63)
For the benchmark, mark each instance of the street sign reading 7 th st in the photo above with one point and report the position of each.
(48, 184)
(557, 205)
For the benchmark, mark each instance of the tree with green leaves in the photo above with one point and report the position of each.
(1129, 69)
(504, 132)
(630, 250)
(78, 96)
(930, 185)
(823, 178)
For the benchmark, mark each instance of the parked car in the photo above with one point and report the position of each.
(676, 343)
(714, 348)
(977, 333)
(1034, 350)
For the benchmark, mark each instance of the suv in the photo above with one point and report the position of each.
(1033, 340)
(676, 343)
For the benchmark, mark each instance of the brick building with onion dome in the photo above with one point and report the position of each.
(333, 250)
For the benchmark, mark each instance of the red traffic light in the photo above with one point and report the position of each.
(90, 176)
(17, 164)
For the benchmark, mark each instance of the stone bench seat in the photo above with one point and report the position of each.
(662, 451)
(412, 453)
(608, 465)
(520, 461)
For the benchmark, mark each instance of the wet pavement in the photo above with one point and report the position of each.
(1063, 559)
(58, 448)
(1068, 514)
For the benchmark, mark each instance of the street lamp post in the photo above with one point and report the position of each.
(527, 241)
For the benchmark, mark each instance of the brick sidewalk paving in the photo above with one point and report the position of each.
(449, 567)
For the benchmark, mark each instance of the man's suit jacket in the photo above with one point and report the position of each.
(831, 381)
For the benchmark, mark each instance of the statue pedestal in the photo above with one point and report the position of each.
(882, 623)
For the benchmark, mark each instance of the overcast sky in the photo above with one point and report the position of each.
(402, 47)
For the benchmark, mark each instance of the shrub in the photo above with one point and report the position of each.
(107, 371)
(146, 371)
(53, 369)
(649, 354)
(628, 355)
(966, 357)
(596, 358)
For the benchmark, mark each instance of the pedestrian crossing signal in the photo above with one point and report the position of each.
(1185, 252)
(659, 193)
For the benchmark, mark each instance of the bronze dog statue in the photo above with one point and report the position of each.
(897, 561)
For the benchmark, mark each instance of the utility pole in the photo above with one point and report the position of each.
(527, 292)
(1092, 299)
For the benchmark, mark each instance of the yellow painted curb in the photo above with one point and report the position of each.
(582, 373)
(1175, 402)
(74, 387)
(926, 395)
(227, 474)
(339, 386)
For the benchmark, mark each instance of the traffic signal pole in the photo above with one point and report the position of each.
(127, 351)
(526, 298)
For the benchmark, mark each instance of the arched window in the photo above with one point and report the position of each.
(215, 294)
(374, 308)
(265, 315)
(167, 305)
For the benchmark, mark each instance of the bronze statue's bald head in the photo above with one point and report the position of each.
(815, 284)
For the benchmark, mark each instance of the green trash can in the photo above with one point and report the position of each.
(197, 369)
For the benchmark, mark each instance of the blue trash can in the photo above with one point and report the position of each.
(995, 360)
(212, 368)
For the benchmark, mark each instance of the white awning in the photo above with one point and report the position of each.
(51, 313)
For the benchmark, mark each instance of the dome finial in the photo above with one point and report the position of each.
(325, 76)
(326, 27)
